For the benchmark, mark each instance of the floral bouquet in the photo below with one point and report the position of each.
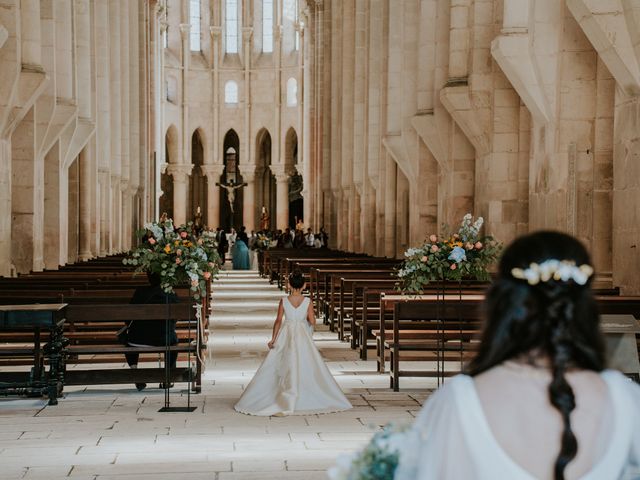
(465, 254)
(176, 255)
(262, 243)
(379, 459)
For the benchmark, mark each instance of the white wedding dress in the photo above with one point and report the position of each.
(293, 379)
(451, 439)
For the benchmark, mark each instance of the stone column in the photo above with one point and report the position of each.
(390, 223)
(213, 173)
(282, 200)
(249, 199)
(5, 206)
(216, 33)
(86, 195)
(104, 212)
(180, 174)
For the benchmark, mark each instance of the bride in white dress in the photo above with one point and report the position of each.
(293, 379)
(538, 402)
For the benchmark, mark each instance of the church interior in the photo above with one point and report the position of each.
(380, 121)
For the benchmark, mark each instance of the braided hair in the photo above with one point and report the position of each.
(555, 319)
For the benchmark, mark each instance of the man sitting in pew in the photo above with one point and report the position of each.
(150, 333)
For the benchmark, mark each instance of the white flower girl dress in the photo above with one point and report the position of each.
(293, 379)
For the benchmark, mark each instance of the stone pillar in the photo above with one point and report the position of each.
(249, 199)
(390, 208)
(5, 206)
(104, 211)
(86, 199)
(213, 173)
(51, 248)
(30, 37)
(282, 200)
(180, 174)
(116, 214)
(23, 193)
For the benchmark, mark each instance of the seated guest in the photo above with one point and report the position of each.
(145, 333)
(537, 401)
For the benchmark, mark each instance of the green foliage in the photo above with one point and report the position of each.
(177, 255)
(462, 255)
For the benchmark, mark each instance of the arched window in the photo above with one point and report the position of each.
(292, 92)
(231, 92)
(231, 25)
(194, 21)
(267, 26)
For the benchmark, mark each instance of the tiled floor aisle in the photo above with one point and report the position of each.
(117, 433)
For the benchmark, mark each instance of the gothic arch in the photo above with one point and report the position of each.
(291, 148)
(296, 202)
(266, 194)
(172, 145)
(203, 140)
(197, 180)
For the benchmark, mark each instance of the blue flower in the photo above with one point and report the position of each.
(458, 255)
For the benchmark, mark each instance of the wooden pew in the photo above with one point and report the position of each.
(91, 331)
(426, 312)
(82, 318)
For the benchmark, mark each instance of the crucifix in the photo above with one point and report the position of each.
(231, 188)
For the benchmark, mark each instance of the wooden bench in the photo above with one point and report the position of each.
(81, 327)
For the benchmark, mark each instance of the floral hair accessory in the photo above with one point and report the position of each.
(563, 270)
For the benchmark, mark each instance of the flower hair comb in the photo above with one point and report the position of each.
(563, 270)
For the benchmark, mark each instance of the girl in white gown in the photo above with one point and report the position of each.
(537, 402)
(293, 379)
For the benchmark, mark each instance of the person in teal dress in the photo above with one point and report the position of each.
(241, 258)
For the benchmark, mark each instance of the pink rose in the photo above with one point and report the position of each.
(211, 264)
(478, 245)
(152, 241)
(178, 252)
(194, 283)
(206, 275)
(177, 261)
(424, 259)
(454, 266)
(183, 234)
(200, 241)
(433, 239)
(434, 248)
(468, 245)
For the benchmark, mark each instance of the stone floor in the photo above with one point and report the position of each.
(116, 432)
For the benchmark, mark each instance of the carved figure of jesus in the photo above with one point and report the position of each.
(231, 188)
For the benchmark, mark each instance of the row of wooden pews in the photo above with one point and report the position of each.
(98, 295)
(357, 297)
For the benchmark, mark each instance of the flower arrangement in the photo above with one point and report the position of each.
(378, 460)
(176, 255)
(465, 254)
(262, 243)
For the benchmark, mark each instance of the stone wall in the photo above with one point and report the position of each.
(522, 111)
(198, 80)
(75, 141)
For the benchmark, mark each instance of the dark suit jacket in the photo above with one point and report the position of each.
(152, 332)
